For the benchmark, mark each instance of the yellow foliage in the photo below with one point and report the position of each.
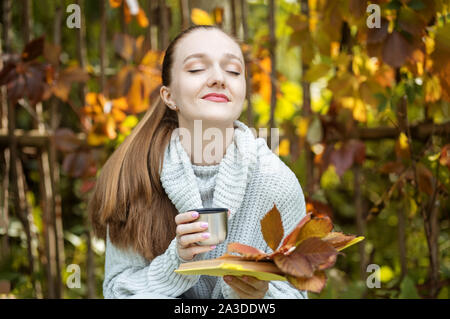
(283, 148)
(403, 141)
(201, 17)
(386, 273)
(302, 127)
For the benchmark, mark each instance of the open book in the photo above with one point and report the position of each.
(263, 270)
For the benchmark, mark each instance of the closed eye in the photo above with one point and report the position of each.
(232, 72)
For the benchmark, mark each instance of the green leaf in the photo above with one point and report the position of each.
(314, 134)
(408, 289)
(382, 101)
(394, 5)
(416, 4)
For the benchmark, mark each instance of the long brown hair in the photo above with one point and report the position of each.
(128, 195)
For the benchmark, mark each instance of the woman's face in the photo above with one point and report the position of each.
(207, 62)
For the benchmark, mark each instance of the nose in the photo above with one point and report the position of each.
(217, 78)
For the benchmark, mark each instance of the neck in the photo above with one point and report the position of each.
(206, 143)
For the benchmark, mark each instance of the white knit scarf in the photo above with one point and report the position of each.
(235, 169)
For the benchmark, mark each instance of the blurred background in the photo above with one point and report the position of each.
(360, 91)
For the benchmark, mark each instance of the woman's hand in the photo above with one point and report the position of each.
(190, 232)
(247, 287)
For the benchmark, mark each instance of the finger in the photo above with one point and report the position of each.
(255, 282)
(186, 240)
(242, 285)
(186, 217)
(190, 228)
(189, 253)
(195, 250)
(242, 293)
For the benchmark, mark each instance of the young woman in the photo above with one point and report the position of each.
(144, 198)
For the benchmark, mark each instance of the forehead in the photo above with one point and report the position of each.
(212, 43)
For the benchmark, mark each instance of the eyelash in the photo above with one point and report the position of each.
(234, 73)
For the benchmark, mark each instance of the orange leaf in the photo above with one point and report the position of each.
(115, 3)
(246, 251)
(110, 128)
(291, 239)
(91, 98)
(272, 228)
(314, 284)
(317, 227)
(142, 18)
(445, 156)
(126, 13)
(338, 240)
(218, 15)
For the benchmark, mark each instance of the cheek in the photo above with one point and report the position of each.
(239, 90)
(188, 88)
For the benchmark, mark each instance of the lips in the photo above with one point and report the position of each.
(216, 97)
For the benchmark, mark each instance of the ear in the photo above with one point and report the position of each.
(166, 96)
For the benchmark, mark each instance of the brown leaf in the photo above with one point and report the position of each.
(77, 164)
(311, 255)
(444, 159)
(392, 167)
(318, 209)
(33, 49)
(338, 239)
(425, 178)
(314, 284)
(410, 21)
(66, 140)
(272, 228)
(291, 239)
(51, 53)
(357, 8)
(358, 149)
(378, 35)
(73, 74)
(124, 46)
(316, 227)
(396, 49)
(342, 159)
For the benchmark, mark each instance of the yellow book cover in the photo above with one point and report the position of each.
(263, 270)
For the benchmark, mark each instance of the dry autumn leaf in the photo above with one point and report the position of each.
(303, 255)
(272, 228)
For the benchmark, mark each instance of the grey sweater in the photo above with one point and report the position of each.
(249, 180)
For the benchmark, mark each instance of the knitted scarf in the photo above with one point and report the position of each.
(235, 169)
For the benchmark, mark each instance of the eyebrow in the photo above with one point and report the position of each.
(201, 55)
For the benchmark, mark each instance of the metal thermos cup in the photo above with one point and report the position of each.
(217, 219)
